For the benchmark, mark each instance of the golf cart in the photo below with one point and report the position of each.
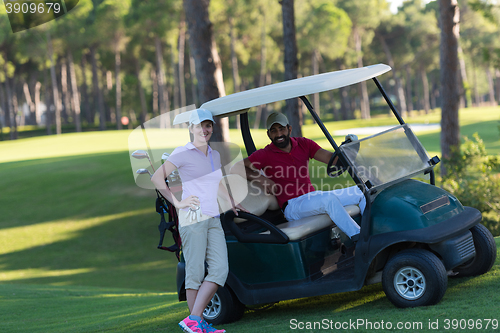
(413, 233)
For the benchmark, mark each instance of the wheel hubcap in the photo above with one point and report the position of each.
(213, 308)
(409, 282)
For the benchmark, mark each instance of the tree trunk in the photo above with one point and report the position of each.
(194, 81)
(491, 87)
(175, 93)
(154, 77)
(208, 65)
(263, 68)
(399, 87)
(55, 91)
(450, 127)
(163, 100)
(27, 97)
(86, 104)
(331, 93)
(15, 110)
(118, 84)
(107, 78)
(401, 96)
(142, 97)
(48, 117)
(364, 102)
(67, 110)
(75, 98)
(409, 91)
(497, 74)
(219, 82)
(315, 71)
(98, 99)
(291, 64)
(477, 99)
(38, 104)
(10, 112)
(181, 46)
(464, 84)
(345, 108)
(234, 65)
(425, 90)
(234, 59)
(176, 72)
(434, 94)
(3, 107)
(344, 96)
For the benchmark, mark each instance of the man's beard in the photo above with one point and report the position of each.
(284, 143)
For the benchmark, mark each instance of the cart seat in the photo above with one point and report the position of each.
(300, 228)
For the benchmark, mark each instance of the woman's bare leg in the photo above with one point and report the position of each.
(202, 298)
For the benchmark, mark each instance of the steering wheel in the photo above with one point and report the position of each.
(337, 169)
(334, 170)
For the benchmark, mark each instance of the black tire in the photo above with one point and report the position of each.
(414, 278)
(223, 308)
(486, 253)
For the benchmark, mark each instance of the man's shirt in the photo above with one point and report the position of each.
(290, 171)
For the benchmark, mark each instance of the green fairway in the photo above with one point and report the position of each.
(45, 308)
(78, 242)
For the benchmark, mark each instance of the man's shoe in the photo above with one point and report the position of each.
(207, 328)
(192, 326)
(355, 238)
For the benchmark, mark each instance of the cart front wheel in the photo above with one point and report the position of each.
(414, 278)
(223, 308)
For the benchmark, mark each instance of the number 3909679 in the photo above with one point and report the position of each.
(32, 7)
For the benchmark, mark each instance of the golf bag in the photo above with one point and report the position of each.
(163, 207)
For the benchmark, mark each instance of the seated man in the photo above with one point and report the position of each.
(285, 162)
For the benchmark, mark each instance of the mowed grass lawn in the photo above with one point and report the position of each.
(78, 244)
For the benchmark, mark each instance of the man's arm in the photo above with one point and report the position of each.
(324, 156)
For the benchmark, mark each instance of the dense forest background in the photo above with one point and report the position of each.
(117, 63)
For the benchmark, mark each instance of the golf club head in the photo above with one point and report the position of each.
(143, 172)
(140, 154)
(164, 157)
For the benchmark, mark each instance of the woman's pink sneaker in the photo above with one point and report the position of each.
(192, 326)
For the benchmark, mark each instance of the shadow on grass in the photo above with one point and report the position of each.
(84, 309)
(117, 253)
(81, 220)
(76, 186)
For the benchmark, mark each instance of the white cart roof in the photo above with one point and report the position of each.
(240, 102)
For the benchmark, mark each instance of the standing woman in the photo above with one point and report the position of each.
(199, 224)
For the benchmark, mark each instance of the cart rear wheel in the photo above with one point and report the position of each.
(223, 308)
(486, 253)
(414, 278)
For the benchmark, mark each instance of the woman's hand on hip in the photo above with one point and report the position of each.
(191, 202)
